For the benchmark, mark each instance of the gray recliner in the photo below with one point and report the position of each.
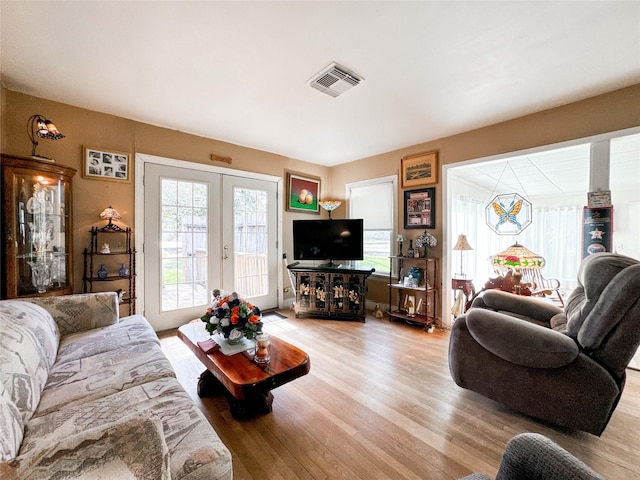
(566, 367)
(531, 456)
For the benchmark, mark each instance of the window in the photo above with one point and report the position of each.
(375, 202)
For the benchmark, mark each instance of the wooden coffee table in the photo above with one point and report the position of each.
(247, 385)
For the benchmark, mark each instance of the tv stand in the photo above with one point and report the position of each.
(336, 291)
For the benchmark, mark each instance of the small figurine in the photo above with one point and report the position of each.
(377, 312)
(120, 293)
(105, 248)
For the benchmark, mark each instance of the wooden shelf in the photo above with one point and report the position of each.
(92, 283)
(425, 295)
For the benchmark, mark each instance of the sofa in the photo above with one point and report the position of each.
(86, 394)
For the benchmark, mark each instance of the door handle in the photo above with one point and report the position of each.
(226, 252)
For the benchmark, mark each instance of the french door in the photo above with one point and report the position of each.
(205, 230)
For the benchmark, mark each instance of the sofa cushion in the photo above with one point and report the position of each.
(131, 448)
(521, 342)
(11, 426)
(128, 331)
(85, 379)
(80, 312)
(28, 347)
(196, 452)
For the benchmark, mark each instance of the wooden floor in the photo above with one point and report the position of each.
(379, 403)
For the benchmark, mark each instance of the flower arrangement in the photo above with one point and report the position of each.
(426, 240)
(230, 312)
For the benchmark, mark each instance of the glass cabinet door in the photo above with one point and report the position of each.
(37, 217)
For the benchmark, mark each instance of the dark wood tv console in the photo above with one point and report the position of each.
(336, 292)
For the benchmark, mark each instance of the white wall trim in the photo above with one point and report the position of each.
(449, 237)
(144, 158)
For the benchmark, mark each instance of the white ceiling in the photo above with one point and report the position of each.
(556, 172)
(238, 71)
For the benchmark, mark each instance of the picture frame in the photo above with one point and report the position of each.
(420, 208)
(110, 165)
(420, 169)
(303, 193)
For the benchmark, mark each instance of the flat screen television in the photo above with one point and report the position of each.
(339, 239)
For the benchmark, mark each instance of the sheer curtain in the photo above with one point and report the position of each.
(555, 233)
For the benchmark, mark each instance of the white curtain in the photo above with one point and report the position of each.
(555, 233)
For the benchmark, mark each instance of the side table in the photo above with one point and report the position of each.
(462, 286)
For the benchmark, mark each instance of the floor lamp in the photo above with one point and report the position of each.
(462, 244)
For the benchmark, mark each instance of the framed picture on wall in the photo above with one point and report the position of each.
(420, 169)
(420, 208)
(99, 164)
(303, 192)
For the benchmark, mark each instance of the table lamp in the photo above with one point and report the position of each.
(462, 244)
(400, 239)
(517, 256)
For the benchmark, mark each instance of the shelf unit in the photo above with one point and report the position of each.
(339, 292)
(120, 246)
(37, 230)
(425, 294)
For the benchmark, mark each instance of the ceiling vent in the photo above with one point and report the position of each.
(335, 80)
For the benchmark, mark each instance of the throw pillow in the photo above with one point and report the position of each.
(28, 349)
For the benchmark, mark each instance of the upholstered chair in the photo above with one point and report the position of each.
(566, 367)
(531, 456)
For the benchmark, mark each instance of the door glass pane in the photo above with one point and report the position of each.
(250, 242)
(184, 240)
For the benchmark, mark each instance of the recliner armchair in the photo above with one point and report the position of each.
(566, 367)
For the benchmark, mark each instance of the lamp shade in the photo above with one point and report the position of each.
(110, 214)
(401, 238)
(39, 126)
(330, 205)
(462, 243)
(517, 256)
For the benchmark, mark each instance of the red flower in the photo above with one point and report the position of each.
(234, 318)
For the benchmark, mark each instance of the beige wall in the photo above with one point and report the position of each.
(605, 113)
(85, 127)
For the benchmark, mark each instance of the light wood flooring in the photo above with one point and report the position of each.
(379, 403)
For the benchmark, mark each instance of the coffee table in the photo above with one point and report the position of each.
(247, 385)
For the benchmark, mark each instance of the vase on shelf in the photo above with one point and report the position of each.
(416, 272)
(124, 271)
(102, 272)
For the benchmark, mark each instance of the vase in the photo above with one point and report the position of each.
(410, 251)
(124, 271)
(102, 272)
(416, 272)
(235, 336)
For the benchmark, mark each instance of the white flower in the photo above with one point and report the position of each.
(213, 320)
(225, 322)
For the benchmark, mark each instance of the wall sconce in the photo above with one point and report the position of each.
(330, 205)
(38, 126)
